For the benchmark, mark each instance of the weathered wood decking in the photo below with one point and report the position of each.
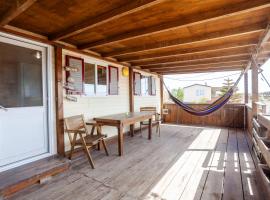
(184, 163)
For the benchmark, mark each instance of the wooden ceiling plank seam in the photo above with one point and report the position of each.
(218, 35)
(200, 62)
(198, 68)
(114, 14)
(189, 58)
(204, 70)
(204, 65)
(17, 8)
(202, 18)
(193, 52)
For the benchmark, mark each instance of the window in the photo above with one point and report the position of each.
(145, 85)
(89, 79)
(20, 76)
(101, 80)
(95, 79)
(152, 86)
(137, 83)
(199, 92)
(113, 80)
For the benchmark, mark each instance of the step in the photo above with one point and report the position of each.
(16, 179)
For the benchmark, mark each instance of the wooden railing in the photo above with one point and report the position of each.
(230, 115)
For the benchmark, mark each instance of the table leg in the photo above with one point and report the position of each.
(131, 130)
(120, 139)
(150, 129)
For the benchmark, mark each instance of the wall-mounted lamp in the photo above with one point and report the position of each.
(125, 71)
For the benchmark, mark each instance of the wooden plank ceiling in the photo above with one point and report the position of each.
(161, 36)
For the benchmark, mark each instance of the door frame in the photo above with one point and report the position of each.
(49, 86)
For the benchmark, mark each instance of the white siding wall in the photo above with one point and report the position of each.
(105, 105)
(190, 93)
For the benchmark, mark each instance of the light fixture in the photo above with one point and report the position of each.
(38, 55)
(125, 71)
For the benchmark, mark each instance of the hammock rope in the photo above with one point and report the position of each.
(217, 104)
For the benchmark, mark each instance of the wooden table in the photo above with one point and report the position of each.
(124, 119)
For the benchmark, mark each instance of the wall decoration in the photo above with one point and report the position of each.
(74, 75)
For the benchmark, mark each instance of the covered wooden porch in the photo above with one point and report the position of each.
(207, 157)
(187, 162)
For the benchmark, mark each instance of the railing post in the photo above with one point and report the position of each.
(255, 93)
(131, 97)
(246, 87)
(161, 96)
(59, 101)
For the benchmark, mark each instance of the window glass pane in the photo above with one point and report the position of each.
(20, 76)
(89, 79)
(101, 80)
(113, 81)
(153, 86)
(137, 83)
(144, 84)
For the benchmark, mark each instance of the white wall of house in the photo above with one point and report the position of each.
(197, 93)
(95, 106)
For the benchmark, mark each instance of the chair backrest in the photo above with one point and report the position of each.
(75, 122)
(150, 109)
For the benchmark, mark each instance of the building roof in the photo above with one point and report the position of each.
(197, 84)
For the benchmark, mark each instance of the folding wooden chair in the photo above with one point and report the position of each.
(157, 118)
(79, 135)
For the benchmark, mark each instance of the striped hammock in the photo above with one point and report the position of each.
(210, 108)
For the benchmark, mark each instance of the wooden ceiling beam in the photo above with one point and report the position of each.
(198, 68)
(134, 6)
(241, 8)
(176, 68)
(16, 9)
(215, 69)
(194, 51)
(199, 62)
(229, 33)
(203, 56)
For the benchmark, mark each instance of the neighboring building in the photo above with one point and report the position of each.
(215, 92)
(197, 93)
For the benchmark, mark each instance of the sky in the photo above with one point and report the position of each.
(183, 80)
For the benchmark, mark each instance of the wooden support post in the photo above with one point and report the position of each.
(246, 87)
(161, 96)
(255, 93)
(59, 101)
(131, 97)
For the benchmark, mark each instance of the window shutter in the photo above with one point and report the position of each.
(137, 83)
(113, 80)
(152, 86)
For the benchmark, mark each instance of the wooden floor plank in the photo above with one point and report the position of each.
(248, 171)
(195, 186)
(213, 187)
(232, 179)
(173, 166)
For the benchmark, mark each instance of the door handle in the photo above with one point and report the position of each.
(3, 108)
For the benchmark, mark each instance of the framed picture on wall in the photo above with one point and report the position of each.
(75, 76)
